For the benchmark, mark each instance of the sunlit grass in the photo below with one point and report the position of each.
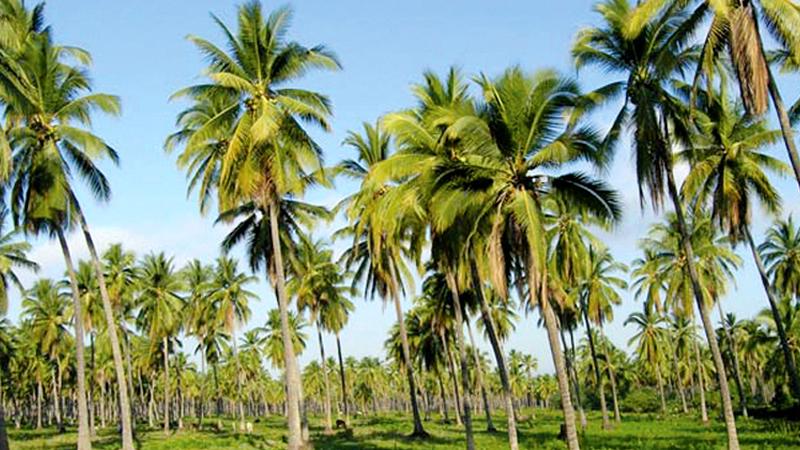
(637, 432)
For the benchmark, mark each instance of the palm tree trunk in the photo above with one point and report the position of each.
(679, 382)
(701, 378)
(289, 359)
(785, 123)
(342, 377)
(39, 395)
(661, 389)
(443, 398)
(597, 375)
(497, 349)
(129, 367)
(479, 377)
(702, 306)
(166, 384)
(576, 381)
(462, 353)
(611, 376)
(451, 367)
(327, 406)
(239, 405)
(419, 431)
(3, 432)
(111, 332)
(776, 316)
(84, 435)
(735, 356)
(91, 386)
(551, 324)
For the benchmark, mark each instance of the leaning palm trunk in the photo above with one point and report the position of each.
(660, 382)
(776, 316)
(597, 374)
(735, 357)
(786, 126)
(289, 359)
(453, 378)
(111, 330)
(479, 378)
(327, 406)
(419, 431)
(342, 377)
(574, 375)
(57, 404)
(488, 323)
(165, 342)
(550, 323)
(462, 353)
(611, 377)
(84, 434)
(679, 382)
(708, 327)
(239, 405)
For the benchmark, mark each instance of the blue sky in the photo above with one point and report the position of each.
(141, 54)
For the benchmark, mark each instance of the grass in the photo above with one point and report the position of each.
(637, 432)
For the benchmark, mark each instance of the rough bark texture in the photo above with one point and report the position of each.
(419, 431)
(551, 324)
(111, 331)
(328, 420)
(84, 434)
(708, 327)
(497, 349)
(462, 353)
(342, 377)
(289, 359)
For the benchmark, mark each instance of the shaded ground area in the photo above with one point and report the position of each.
(637, 432)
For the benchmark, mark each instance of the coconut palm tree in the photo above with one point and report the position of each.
(736, 27)
(272, 337)
(512, 146)
(728, 170)
(229, 298)
(649, 59)
(161, 311)
(650, 339)
(601, 285)
(781, 253)
(268, 156)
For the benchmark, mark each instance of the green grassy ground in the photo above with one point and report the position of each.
(637, 432)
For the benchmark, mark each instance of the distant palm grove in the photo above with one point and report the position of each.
(479, 205)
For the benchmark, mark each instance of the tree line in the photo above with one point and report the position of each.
(488, 188)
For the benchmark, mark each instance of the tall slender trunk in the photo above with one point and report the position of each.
(462, 354)
(57, 401)
(701, 382)
(443, 398)
(289, 360)
(165, 342)
(776, 316)
(343, 378)
(551, 324)
(611, 377)
(111, 332)
(479, 377)
(597, 374)
(39, 395)
(661, 389)
(91, 385)
(785, 123)
(679, 382)
(735, 356)
(419, 431)
(497, 349)
(573, 374)
(453, 377)
(702, 306)
(324, 367)
(129, 367)
(239, 405)
(84, 435)
(3, 432)
(202, 404)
